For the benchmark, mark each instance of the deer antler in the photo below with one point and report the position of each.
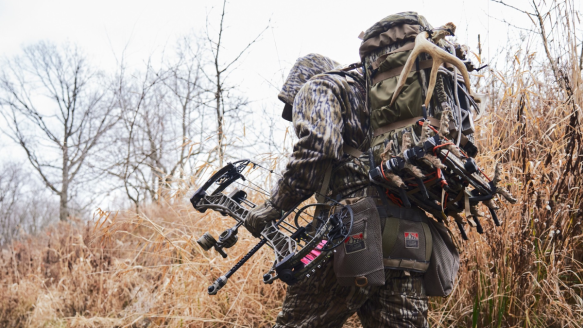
(405, 142)
(388, 152)
(439, 56)
(497, 170)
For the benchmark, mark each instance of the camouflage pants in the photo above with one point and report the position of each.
(320, 302)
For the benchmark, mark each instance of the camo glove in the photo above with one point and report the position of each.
(260, 216)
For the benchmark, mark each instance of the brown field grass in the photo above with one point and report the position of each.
(140, 270)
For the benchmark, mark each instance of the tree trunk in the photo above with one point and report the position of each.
(64, 194)
(219, 118)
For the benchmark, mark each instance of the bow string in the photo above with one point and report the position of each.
(298, 249)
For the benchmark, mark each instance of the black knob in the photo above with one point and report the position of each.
(266, 278)
(286, 275)
(220, 250)
(206, 241)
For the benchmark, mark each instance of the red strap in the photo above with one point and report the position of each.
(396, 200)
(443, 183)
(445, 200)
(383, 171)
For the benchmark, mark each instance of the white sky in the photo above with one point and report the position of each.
(104, 28)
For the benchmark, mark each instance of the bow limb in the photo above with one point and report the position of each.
(216, 200)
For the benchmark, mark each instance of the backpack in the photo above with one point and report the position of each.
(412, 241)
(385, 48)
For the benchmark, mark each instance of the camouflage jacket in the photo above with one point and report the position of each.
(329, 110)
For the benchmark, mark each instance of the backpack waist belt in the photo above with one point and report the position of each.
(406, 264)
(403, 123)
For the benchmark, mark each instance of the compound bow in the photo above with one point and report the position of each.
(298, 249)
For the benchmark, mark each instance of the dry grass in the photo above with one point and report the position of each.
(129, 270)
(132, 271)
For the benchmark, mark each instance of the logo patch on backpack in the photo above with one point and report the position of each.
(411, 240)
(354, 243)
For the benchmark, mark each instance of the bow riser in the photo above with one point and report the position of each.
(222, 204)
(290, 242)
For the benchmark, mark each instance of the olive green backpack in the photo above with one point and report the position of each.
(411, 241)
(385, 48)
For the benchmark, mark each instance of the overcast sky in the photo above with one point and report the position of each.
(104, 28)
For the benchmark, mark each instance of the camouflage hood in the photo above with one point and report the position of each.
(304, 69)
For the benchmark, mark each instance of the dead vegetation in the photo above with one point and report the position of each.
(146, 270)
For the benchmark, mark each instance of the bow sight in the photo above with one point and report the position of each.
(301, 243)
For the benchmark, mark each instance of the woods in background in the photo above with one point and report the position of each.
(143, 267)
(87, 133)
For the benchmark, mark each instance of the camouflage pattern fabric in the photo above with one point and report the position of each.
(389, 22)
(320, 302)
(304, 69)
(328, 111)
(407, 17)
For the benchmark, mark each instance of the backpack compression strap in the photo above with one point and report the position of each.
(403, 123)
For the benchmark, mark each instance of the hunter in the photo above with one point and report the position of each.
(332, 123)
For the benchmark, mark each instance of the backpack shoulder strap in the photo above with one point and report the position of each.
(352, 151)
(321, 195)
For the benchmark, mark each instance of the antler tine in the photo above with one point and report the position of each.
(439, 57)
(388, 152)
(497, 170)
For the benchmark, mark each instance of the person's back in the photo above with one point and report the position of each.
(330, 119)
(331, 122)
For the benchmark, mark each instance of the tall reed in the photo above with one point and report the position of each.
(146, 270)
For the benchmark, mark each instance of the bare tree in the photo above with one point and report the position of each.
(141, 137)
(11, 185)
(183, 80)
(162, 123)
(23, 207)
(217, 76)
(57, 110)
